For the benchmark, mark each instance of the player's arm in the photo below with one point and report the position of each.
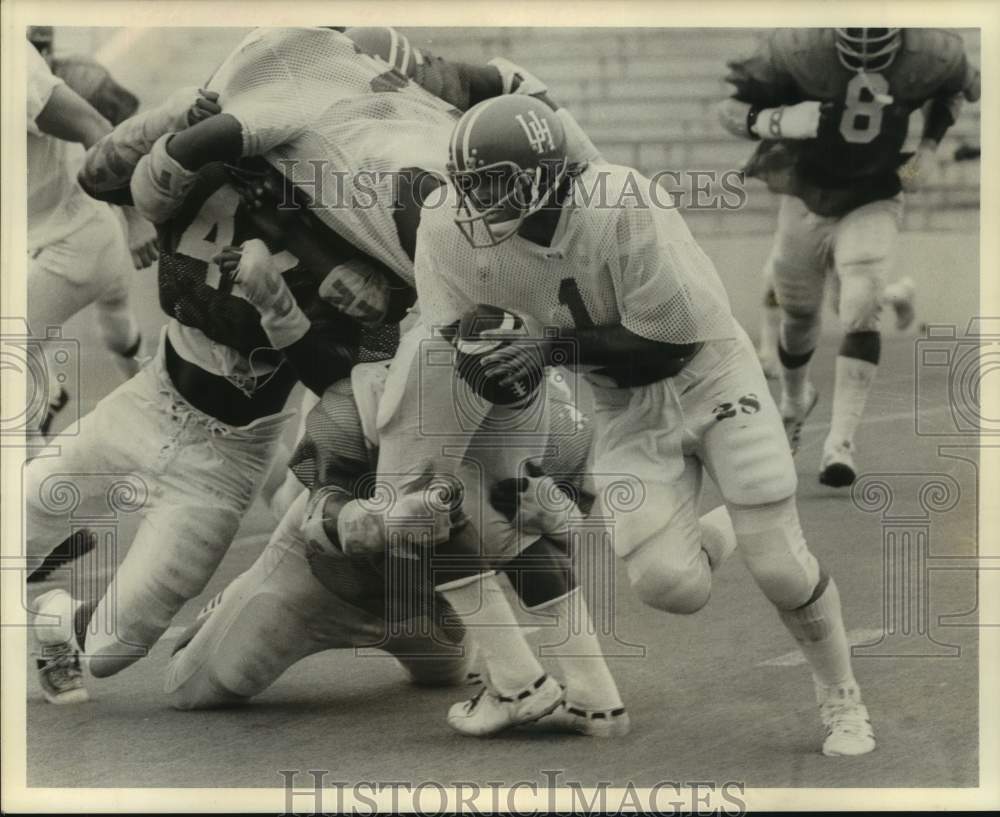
(961, 83)
(644, 347)
(317, 362)
(57, 110)
(766, 102)
(110, 164)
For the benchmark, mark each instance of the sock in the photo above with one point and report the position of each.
(854, 380)
(480, 604)
(64, 609)
(589, 683)
(818, 627)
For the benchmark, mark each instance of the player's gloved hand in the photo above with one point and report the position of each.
(412, 522)
(919, 169)
(257, 278)
(800, 121)
(160, 183)
(535, 503)
(142, 242)
(206, 105)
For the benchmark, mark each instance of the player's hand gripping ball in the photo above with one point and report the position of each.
(496, 358)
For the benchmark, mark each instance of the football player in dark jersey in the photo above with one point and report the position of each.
(831, 108)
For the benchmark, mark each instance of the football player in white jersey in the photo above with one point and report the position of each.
(609, 279)
(76, 248)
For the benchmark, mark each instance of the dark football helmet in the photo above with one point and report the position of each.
(868, 49)
(507, 157)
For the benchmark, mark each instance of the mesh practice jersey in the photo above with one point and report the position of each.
(337, 123)
(621, 254)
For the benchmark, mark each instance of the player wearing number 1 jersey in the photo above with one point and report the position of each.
(610, 280)
(832, 108)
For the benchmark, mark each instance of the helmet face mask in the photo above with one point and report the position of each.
(867, 49)
(494, 201)
(507, 158)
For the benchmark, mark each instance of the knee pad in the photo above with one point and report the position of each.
(860, 302)
(673, 589)
(774, 550)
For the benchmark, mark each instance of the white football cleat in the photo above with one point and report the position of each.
(848, 729)
(58, 664)
(490, 712)
(900, 296)
(595, 723)
(795, 412)
(837, 468)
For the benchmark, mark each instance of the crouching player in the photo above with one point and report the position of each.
(676, 382)
(333, 575)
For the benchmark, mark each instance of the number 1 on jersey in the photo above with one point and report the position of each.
(570, 297)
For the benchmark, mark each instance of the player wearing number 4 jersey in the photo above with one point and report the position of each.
(832, 108)
(613, 283)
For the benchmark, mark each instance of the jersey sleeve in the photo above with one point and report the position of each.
(667, 289)
(434, 267)
(41, 83)
(763, 79)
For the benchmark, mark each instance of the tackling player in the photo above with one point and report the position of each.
(832, 108)
(306, 594)
(609, 279)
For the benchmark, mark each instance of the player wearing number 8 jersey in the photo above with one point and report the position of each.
(832, 108)
(611, 281)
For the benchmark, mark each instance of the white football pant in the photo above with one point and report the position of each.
(144, 449)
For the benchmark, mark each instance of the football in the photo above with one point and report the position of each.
(482, 330)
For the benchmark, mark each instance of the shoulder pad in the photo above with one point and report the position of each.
(932, 60)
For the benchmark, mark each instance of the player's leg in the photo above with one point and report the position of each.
(749, 459)
(119, 327)
(425, 428)
(797, 265)
(863, 253)
(267, 619)
(55, 292)
(770, 332)
(96, 464)
(204, 475)
(648, 492)
(544, 579)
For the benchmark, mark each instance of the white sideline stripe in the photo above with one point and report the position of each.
(120, 43)
(795, 657)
